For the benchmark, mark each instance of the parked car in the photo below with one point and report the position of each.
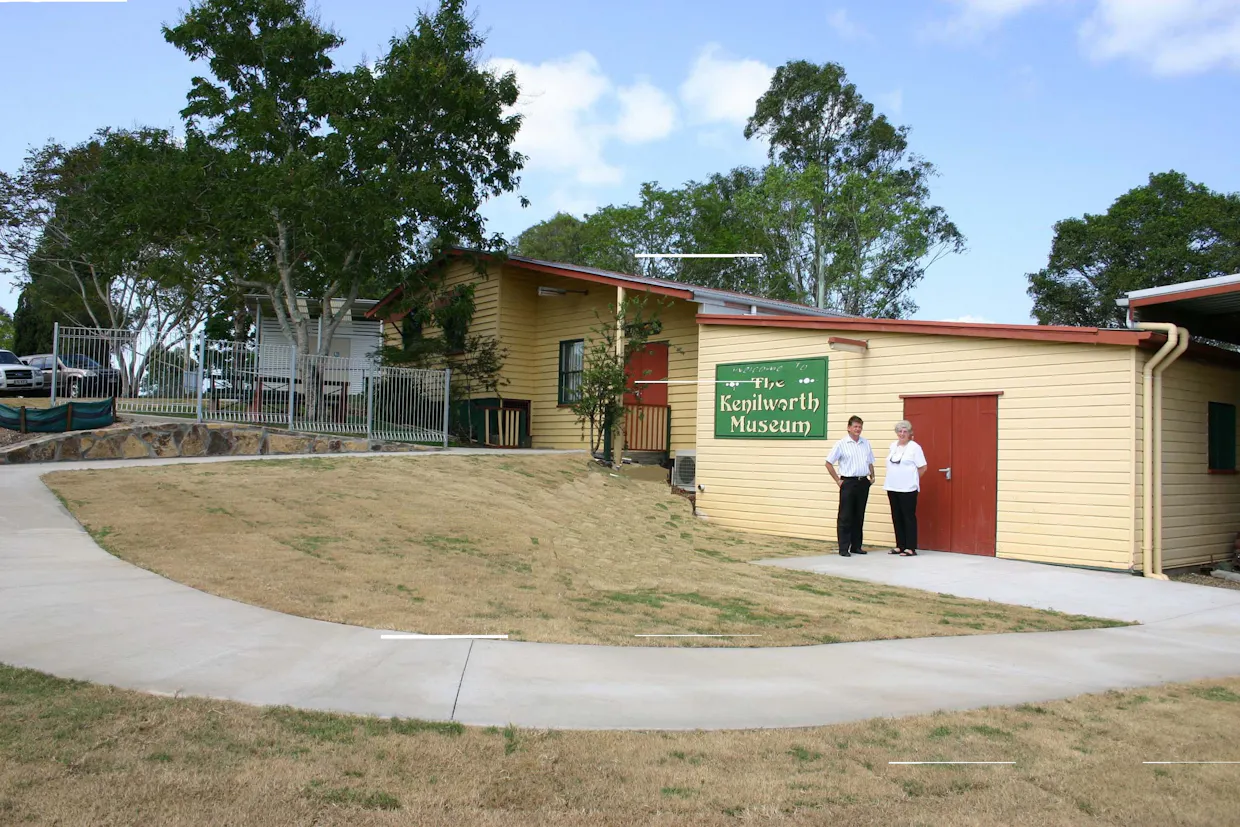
(18, 378)
(77, 374)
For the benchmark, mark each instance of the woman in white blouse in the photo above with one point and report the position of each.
(905, 464)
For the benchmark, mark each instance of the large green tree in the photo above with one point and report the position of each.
(1168, 231)
(865, 231)
(742, 211)
(333, 182)
(561, 238)
(608, 238)
(96, 235)
(842, 217)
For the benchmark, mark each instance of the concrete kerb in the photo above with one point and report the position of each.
(69, 608)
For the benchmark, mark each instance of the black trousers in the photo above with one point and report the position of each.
(904, 518)
(854, 494)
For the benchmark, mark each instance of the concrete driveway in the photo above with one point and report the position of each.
(70, 609)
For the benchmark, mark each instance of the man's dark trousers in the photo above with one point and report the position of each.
(854, 493)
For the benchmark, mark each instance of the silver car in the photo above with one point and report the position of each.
(77, 374)
(17, 378)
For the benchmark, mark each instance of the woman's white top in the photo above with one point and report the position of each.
(902, 464)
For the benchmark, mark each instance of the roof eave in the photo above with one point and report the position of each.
(1172, 292)
(1080, 335)
(688, 292)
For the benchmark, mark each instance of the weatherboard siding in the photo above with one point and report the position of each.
(531, 328)
(680, 331)
(485, 321)
(518, 333)
(1201, 511)
(558, 319)
(1065, 430)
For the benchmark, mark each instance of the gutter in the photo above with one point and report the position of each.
(1151, 432)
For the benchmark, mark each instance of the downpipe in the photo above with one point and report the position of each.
(1180, 347)
(1151, 457)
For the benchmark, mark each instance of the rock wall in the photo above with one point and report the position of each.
(188, 439)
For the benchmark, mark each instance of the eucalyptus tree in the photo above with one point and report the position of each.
(331, 182)
(97, 236)
(865, 227)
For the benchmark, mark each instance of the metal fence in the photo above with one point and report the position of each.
(88, 363)
(408, 405)
(240, 382)
(225, 381)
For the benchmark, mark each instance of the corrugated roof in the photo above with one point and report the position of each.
(1171, 292)
(705, 293)
(1209, 308)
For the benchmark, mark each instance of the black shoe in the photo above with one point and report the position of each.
(859, 551)
(845, 554)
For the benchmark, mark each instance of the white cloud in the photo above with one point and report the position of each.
(892, 103)
(561, 200)
(1171, 37)
(646, 114)
(974, 18)
(845, 27)
(568, 119)
(560, 129)
(720, 89)
(572, 111)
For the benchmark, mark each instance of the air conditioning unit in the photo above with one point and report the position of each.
(684, 470)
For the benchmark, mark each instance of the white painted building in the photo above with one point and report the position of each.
(353, 347)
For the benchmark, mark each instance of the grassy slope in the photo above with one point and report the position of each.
(539, 547)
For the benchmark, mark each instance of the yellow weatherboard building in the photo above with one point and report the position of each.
(1036, 436)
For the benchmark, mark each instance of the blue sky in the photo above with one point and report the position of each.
(1032, 110)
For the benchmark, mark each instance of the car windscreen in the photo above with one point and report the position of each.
(77, 360)
(8, 358)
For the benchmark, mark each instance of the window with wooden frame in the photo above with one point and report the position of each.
(453, 325)
(572, 363)
(410, 328)
(1221, 430)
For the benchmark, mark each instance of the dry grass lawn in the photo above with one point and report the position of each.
(539, 547)
(78, 754)
(26, 401)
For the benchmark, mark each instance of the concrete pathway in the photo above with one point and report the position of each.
(69, 608)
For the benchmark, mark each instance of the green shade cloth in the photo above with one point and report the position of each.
(76, 416)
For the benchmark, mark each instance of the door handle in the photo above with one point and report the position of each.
(948, 470)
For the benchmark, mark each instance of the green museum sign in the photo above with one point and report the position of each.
(785, 399)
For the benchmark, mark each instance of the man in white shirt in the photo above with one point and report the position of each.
(855, 458)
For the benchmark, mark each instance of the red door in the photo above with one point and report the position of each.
(957, 509)
(648, 364)
(932, 428)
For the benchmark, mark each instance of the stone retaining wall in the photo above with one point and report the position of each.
(188, 439)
